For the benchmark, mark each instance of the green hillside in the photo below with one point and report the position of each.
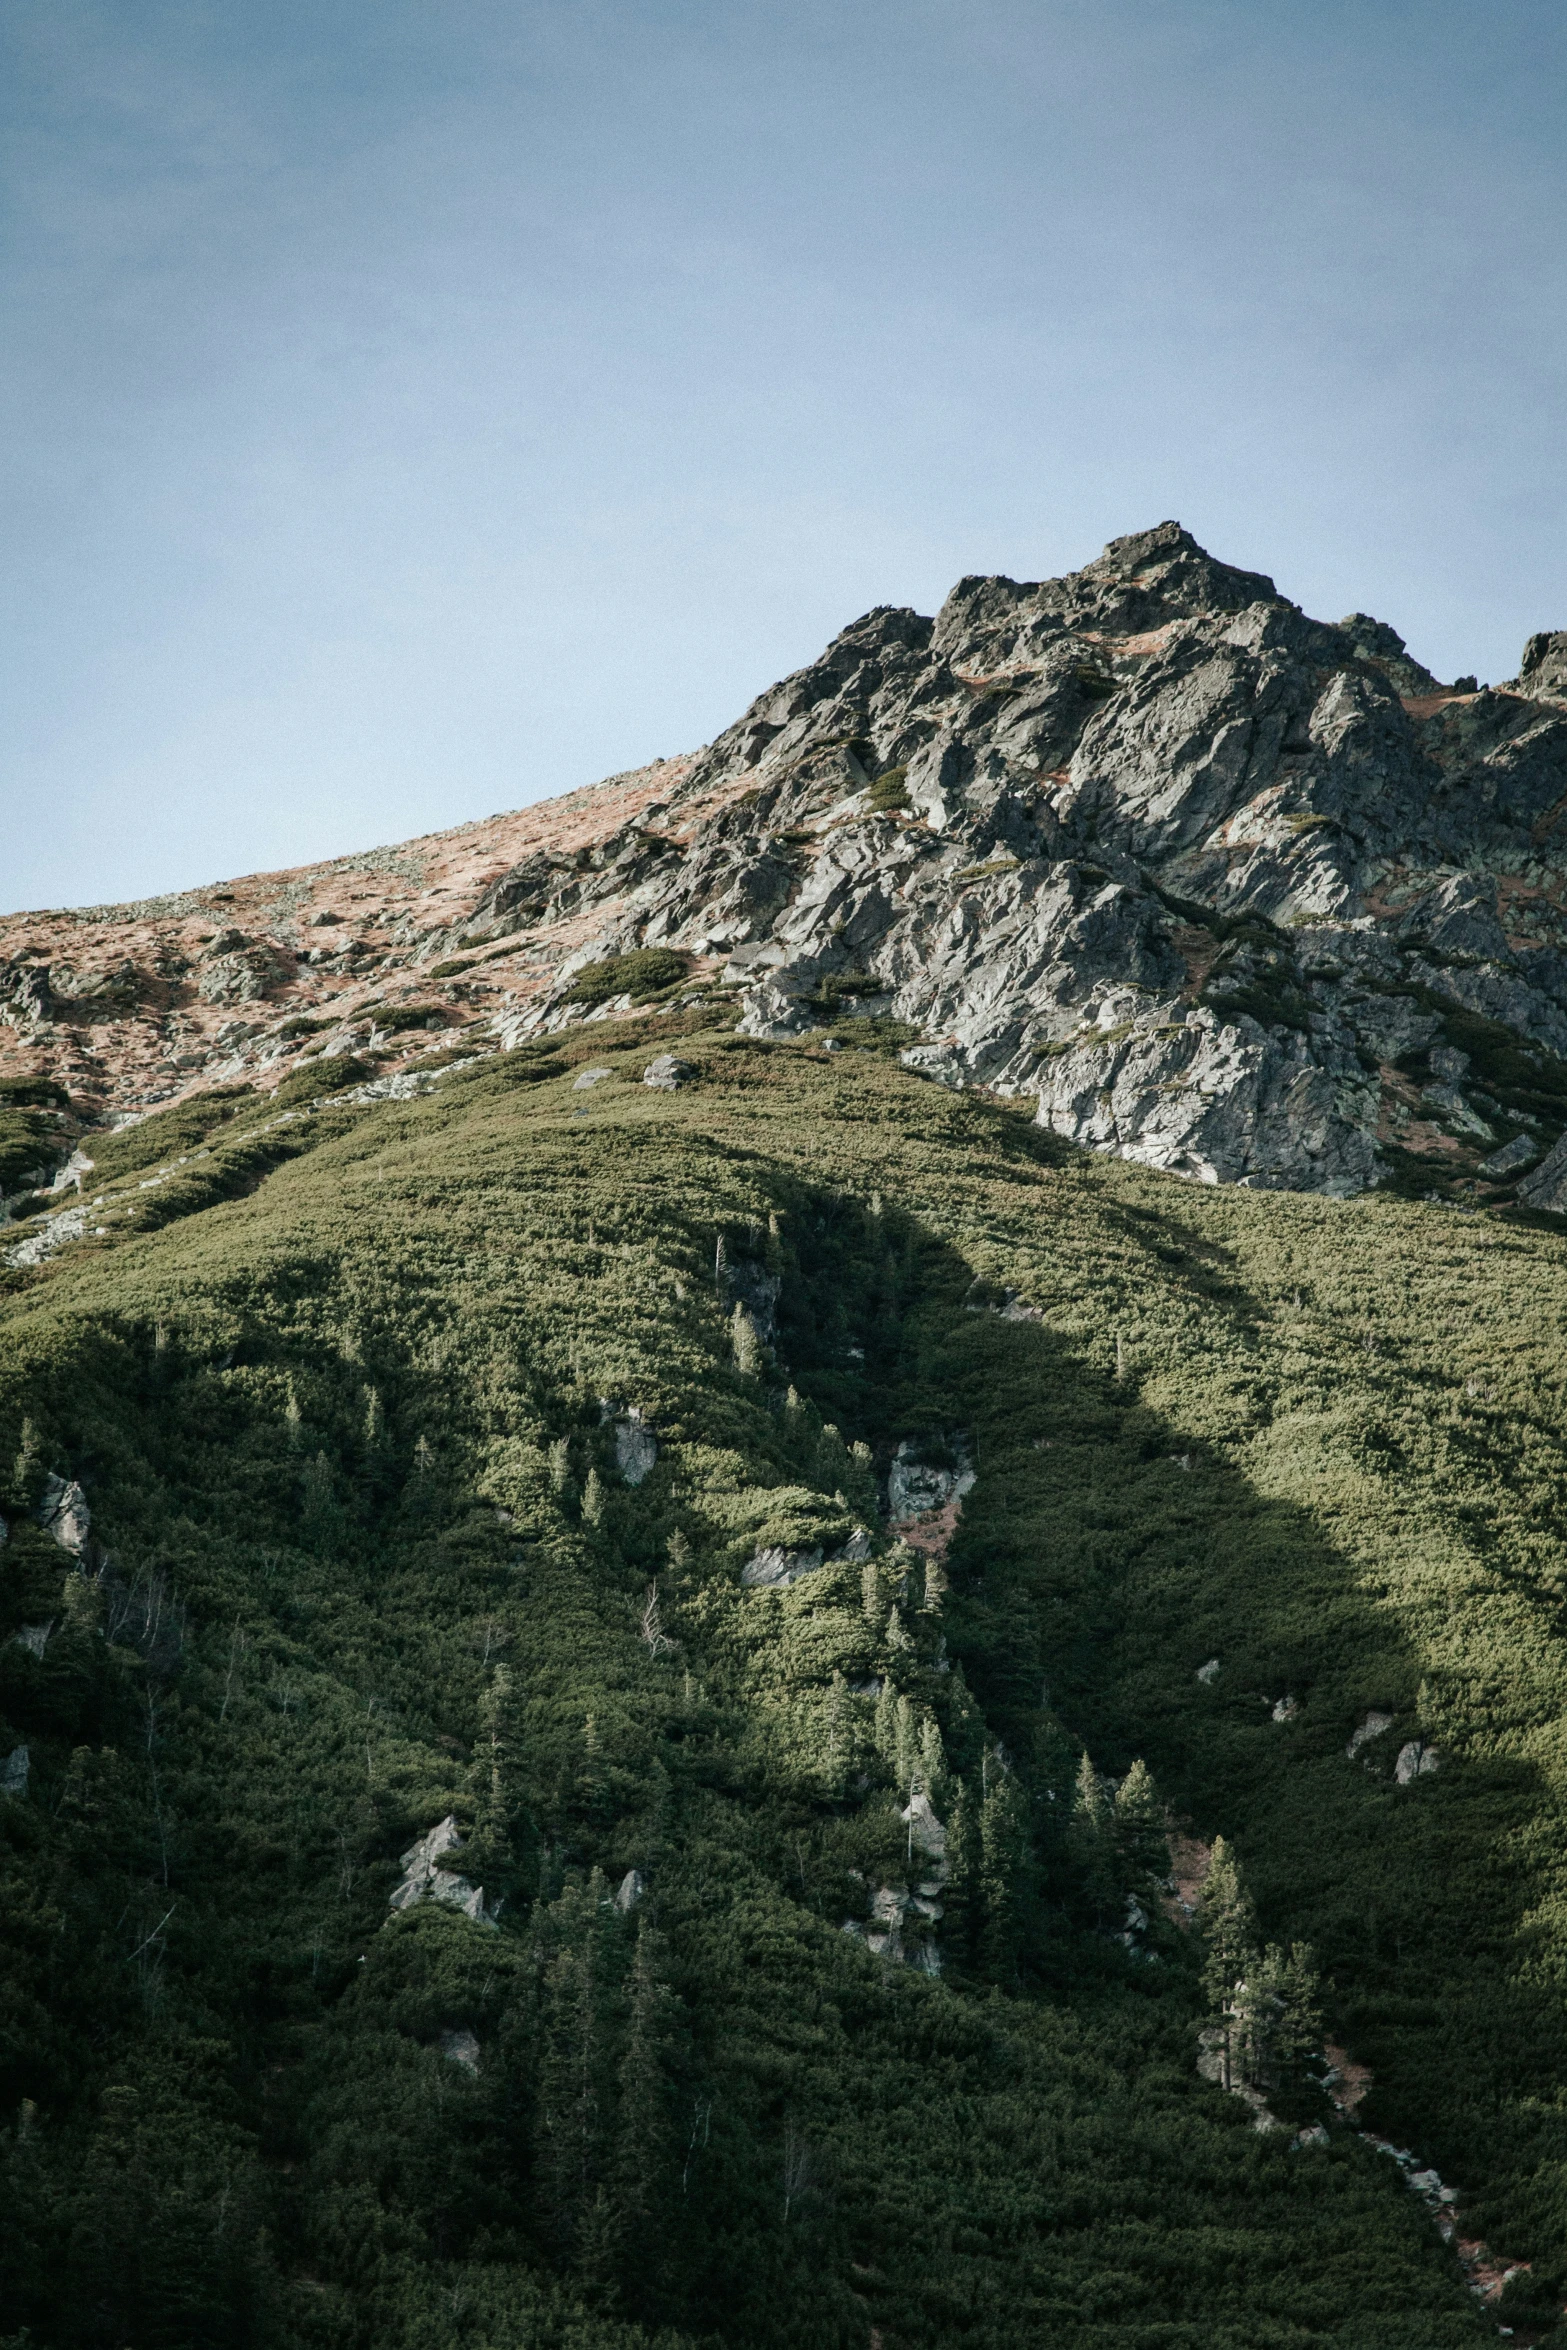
(346, 1421)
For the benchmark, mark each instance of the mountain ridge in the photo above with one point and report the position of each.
(1232, 892)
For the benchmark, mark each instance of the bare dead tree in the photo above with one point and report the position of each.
(799, 2170)
(652, 1629)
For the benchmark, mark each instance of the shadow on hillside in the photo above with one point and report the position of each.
(1103, 1558)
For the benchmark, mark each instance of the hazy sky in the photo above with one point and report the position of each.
(416, 407)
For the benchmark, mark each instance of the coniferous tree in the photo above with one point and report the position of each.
(24, 1469)
(886, 1729)
(905, 1751)
(962, 1897)
(932, 1759)
(643, 2161)
(576, 2063)
(1141, 1844)
(1003, 1855)
(1093, 1840)
(501, 1853)
(1228, 1924)
(745, 1343)
(1280, 2012)
(838, 1737)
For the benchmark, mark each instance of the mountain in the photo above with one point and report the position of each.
(662, 1684)
(1228, 891)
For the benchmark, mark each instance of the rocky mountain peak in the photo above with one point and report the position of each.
(1543, 669)
(1220, 887)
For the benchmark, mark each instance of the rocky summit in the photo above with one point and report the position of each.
(1239, 894)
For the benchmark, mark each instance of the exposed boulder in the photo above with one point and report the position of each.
(26, 996)
(773, 1569)
(1372, 1725)
(14, 1772)
(916, 1487)
(927, 1834)
(1511, 1157)
(1374, 641)
(240, 970)
(774, 1006)
(1414, 1759)
(64, 1515)
(425, 1879)
(631, 1890)
(51, 1235)
(666, 1074)
(104, 988)
(1547, 1186)
(460, 2047)
(900, 1928)
(76, 1166)
(636, 1447)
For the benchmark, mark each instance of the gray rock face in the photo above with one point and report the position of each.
(425, 1879)
(1202, 875)
(772, 1569)
(927, 1834)
(1510, 1157)
(1220, 1102)
(15, 1771)
(1547, 1186)
(26, 996)
(1543, 669)
(239, 970)
(666, 1074)
(54, 1233)
(636, 1447)
(915, 1487)
(64, 1515)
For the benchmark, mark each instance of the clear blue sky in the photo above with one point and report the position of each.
(416, 407)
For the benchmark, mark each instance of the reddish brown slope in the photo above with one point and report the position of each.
(131, 1006)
